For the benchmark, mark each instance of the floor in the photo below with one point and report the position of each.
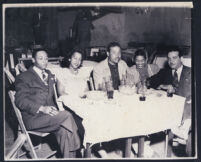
(156, 145)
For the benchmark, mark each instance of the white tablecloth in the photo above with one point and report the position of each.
(126, 116)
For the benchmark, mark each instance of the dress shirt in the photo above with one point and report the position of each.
(39, 72)
(179, 70)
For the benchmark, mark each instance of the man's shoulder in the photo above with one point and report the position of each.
(100, 64)
(123, 63)
(26, 74)
(165, 71)
(186, 68)
(187, 71)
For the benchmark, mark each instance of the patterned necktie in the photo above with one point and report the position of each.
(175, 80)
(44, 77)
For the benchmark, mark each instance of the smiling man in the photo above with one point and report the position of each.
(177, 79)
(112, 67)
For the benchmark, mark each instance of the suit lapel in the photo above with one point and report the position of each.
(184, 73)
(184, 82)
(106, 69)
(37, 77)
(50, 80)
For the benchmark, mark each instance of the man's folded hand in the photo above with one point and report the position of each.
(51, 110)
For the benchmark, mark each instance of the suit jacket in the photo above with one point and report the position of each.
(164, 76)
(102, 70)
(31, 93)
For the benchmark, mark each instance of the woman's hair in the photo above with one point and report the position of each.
(66, 62)
(140, 52)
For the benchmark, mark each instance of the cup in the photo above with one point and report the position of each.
(169, 94)
(142, 98)
(110, 94)
(110, 89)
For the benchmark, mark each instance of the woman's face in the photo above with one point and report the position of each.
(76, 60)
(140, 62)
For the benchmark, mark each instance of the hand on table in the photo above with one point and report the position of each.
(50, 110)
(169, 88)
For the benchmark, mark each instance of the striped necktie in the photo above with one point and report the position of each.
(45, 78)
(175, 80)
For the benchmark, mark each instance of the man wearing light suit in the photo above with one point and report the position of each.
(112, 67)
(177, 79)
(34, 98)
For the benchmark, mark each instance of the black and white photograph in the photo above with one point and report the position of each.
(98, 81)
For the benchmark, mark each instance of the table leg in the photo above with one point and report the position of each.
(141, 146)
(169, 146)
(88, 151)
(166, 143)
(128, 147)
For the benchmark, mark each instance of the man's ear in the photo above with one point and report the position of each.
(107, 53)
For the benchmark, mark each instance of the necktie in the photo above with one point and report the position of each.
(175, 80)
(44, 77)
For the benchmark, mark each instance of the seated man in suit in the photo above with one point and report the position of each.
(176, 79)
(111, 68)
(34, 98)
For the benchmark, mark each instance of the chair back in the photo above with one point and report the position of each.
(17, 112)
(186, 61)
(91, 82)
(58, 102)
(9, 75)
(23, 130)
(160, 61)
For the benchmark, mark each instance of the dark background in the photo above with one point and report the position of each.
(158, 25)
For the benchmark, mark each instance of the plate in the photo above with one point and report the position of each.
(96, 95)
(127, 90)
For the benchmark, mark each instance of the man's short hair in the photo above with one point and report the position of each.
(175, 49)
(38, 50)
(113, 44)
(140, 52)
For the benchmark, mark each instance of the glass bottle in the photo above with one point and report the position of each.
(143, 91)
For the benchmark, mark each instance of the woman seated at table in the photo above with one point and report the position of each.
(73, 79)
(141, 70)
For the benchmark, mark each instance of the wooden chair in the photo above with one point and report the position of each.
(91, 82)
(9, 75)
(26, 133)
(161, 61)
(58, 102)
(19, 142)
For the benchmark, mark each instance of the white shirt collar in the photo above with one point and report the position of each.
(179, 70)
(39, 72)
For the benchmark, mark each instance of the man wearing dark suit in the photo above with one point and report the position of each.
(176, 79)
(34, 98)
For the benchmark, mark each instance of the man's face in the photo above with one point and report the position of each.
(41, 60)
(174, 60)
(114, 54)
(76, 60)
(140, 62)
